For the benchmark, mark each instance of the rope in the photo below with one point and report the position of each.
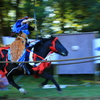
(77, 62)
(58, 61)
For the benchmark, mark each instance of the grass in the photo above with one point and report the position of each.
(82, 91)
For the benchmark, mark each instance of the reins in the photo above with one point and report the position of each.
(35, 56)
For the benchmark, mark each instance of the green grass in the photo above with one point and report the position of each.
(35, 93)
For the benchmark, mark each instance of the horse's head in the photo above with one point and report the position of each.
(50, 44)
(57, 47)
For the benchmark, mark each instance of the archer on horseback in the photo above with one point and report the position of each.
(22, 28)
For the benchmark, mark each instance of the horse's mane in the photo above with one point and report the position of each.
(41, 42)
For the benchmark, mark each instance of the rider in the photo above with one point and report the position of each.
(22, 28)
(22, 25)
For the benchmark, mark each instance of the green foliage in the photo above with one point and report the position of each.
(53, 16)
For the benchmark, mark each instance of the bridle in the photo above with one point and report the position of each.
(52, 47)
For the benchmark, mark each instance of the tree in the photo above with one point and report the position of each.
(53, 16)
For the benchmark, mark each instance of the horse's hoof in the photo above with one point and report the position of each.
(23, 91)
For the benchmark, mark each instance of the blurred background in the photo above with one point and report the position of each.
(53, 16)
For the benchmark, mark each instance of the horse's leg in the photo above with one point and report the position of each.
(43, 83)
(50, 77)
(46, 80)
(11, 81)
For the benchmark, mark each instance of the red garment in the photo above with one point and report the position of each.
(5, 71)
(2, 73)
(41, 67)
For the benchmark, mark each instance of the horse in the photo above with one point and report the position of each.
(42, 49)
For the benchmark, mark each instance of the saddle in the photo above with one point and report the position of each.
(17, 47)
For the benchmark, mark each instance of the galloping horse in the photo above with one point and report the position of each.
(42, 49)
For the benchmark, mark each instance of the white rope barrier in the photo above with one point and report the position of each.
(93, 57)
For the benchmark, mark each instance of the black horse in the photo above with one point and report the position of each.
(41, 50)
